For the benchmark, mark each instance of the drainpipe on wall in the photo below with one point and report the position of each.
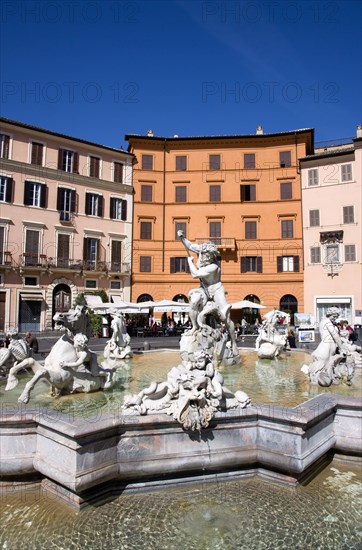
(164, 207)
(132, 233)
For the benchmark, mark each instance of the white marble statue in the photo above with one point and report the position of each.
(195, 390)
(192, 393)
(70, 366)
(270, 342)
(208, 302)
(335, 357)
(17, 350)
(118, 347)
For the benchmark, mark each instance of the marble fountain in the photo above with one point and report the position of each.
(111, 430)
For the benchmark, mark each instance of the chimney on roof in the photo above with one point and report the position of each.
(359, 131)
(149, 133)
(259, 130)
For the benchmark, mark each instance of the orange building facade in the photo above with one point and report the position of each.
(241, 192)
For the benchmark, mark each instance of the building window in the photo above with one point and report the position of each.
(287, 263)
(181, 163)
(115, 285)
(350, 253)
(250, 230)
(215, 193)
(332, 254)
(68, 161)
(31, 281)
(286, 190)
(215, 232)
(314, 220)
(285, 159)
(6, 189)
(145, 264)
(214, 162)
(118, 209)
(287, 229)
(118, 172)
(65, 203)
(146, 193)
(179, 265)
(180, 226)
(32, 247)
(346, 172)
(94, 167)
(4, 146)
(249, 160)
(247, 193)
(180, 193)
(34, 194)
(315, 255)
(90, 252)
(147, 162)
(146, 231)
(37, 151)
(313, 177)
(116, 255)
(251, 264)
(91, 283)
(63, 250)
(93, 204)
(348, 214)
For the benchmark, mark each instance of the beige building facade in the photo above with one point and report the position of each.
(65, 223)
(241, 192)
(332, 203)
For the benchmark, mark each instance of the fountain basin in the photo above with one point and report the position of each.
(84, 460)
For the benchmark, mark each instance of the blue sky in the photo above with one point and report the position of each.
(99, 69)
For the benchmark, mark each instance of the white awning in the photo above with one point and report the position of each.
(335, 300)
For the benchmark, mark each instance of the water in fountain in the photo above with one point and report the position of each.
(279, 381)
(249, 514)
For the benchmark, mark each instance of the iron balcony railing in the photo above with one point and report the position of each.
(6, 259)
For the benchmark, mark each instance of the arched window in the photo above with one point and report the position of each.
(144, 298)
(252, 298)
(289, 304)
(251, 314)
(180, 298)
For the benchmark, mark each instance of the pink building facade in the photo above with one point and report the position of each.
(66, 209)
(332, 229)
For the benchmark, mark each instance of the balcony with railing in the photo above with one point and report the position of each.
(223, 243)
(94, 266)
(7, 260)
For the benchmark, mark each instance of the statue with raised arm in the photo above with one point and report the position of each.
(334, 358)
(209, 301)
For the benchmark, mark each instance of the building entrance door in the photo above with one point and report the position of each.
(61, 299)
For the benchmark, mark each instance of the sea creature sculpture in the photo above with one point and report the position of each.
(270, 342)
(70, 366)
(192, 393)
(335, 357)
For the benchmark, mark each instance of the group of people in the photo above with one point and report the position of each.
(346, 331)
